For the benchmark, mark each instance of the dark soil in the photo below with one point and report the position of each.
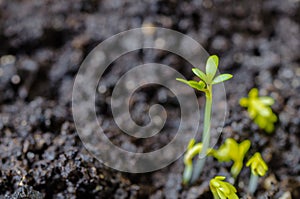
(42, 44)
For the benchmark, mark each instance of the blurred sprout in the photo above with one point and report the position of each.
(258, 168)
(259, 110)
(221, 189)
(231, 150)
(192, 150)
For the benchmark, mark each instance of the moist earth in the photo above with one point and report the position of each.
(43, 44)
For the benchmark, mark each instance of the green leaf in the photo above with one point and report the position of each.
(252, 112)
(257, 164)
(211, 67)
(253, 93)
(244, 147)
(220, 177)
(221, 189)
(261, 121)
(196, 85)
(267, 100)
(269, 128)
(264, 111)
(244, 102)
(200, 74)
(221, 78)
(273, 118)
(183, 80)
(191, 143)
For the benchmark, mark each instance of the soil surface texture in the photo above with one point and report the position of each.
(43, 43)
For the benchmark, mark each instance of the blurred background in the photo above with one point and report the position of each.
(43, 43)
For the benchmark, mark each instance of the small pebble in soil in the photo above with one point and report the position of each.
(270, 182)
(7, 59)
(15, 79)
(286, 195)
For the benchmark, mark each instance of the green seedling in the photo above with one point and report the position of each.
(259, 110)
(192, 150)
(221, 189)
(258, 168)
(207, 80)
(232, 151)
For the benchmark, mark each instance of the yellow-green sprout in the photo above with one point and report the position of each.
(221, 189)
(231, 150)
(207, 80)
(259, 110)
(192, 150)
(257, 164)
(258, 168)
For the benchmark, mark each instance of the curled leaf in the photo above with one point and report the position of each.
(221, 189)
(257, 164)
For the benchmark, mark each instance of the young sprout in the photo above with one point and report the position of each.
(259, 110)
(192, 150)
(231, 150)
(221, 189)
(205, 85)
(258, 168)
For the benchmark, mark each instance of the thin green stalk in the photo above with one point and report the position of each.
(207, 119)
(253, 183)
(206, 135)
(204, 85)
